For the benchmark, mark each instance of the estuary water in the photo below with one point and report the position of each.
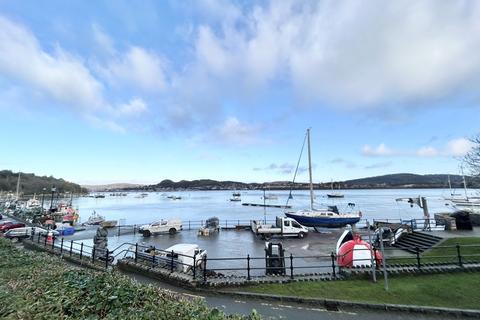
(201, 205)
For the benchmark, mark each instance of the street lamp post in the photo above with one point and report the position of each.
(51, 200)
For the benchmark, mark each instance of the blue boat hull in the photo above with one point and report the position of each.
(336, 222)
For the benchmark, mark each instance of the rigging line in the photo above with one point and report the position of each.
(296, 170)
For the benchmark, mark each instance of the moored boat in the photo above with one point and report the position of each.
(330, 217)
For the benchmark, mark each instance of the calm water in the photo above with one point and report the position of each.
(200, 205)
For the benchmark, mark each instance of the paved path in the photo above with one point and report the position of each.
(286, 310)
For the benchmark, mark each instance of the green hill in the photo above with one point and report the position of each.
(30, 183)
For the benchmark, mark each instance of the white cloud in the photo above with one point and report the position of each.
(380, 151)
(232, 131)
(427, 152)
(134, 108)
(137, 67)
(458, 147)
(61, 75)
(358, 54)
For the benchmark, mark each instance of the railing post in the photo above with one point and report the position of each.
(332, 256)
(153, 256)
(118, 231)
(194, 265)
(291, 266)
(417, 252)
(93, 254)
(204, 268)
(61, 246)
(38, 238)
(71, 247)
(248, 267)
(106, 258)
(460, 263)
(188, 224)
(53, 243)
(136, 252)
(134, 228)
(171, 262)
(45, 242)
(81, 251)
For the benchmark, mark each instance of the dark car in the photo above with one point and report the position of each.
(11, 225)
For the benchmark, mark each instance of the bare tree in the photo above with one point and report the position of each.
(472, 159)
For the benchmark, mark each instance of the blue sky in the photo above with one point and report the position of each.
(141, 91)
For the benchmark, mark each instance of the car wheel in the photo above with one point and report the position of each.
(15, 240)
(146, 233)
(301, 235)
(172, 231)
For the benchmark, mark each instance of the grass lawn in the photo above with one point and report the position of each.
(456, 290)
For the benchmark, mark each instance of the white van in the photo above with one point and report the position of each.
(183, 256)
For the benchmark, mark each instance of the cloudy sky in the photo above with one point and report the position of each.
(140, 91)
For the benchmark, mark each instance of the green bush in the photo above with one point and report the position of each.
(38, 286)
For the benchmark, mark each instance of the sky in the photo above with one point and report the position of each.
(141, 91)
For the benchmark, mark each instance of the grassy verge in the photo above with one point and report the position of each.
(38, 286)
(459, 290)
(469, 249)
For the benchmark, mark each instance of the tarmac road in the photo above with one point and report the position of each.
(287, 310)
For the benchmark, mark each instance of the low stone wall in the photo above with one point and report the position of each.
(175, 278)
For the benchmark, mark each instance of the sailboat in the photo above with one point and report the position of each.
(469, 202)
(335, 194)
(330, 217)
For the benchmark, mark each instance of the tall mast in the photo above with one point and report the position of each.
(464, 185)
(310, 169)
(18, 185)
(450, 185)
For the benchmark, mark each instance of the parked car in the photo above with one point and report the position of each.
(182, 256)
(171, 226)
(11, 225)
(25, 232)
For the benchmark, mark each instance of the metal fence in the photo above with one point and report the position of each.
(201, 267)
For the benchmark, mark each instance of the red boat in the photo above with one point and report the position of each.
(352, 251)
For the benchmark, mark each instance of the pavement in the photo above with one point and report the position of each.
(287, 310)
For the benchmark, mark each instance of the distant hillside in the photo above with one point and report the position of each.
(400, 180)
(30, 183)
(111, 186)
(410, 180)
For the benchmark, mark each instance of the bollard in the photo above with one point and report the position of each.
(61, 247)
(81, 251)
(93, 254)
(106, 258)
(417, 252)
(291, 266)
(136, 252)
(332, 256)
(204, 268)
(71, 247)
(194, 265)
(460, 263)
(248, 267)
(171, 262)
